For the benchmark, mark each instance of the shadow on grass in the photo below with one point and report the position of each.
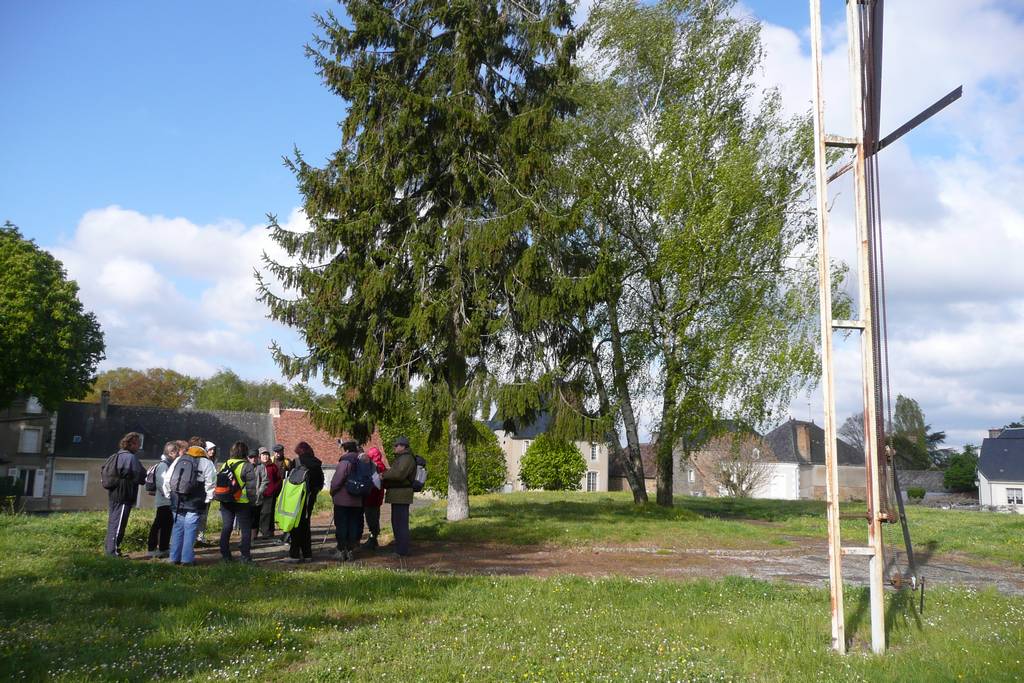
(528, 518)
(85, 616)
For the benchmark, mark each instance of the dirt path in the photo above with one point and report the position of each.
(803, 562)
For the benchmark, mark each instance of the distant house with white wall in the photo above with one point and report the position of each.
(515, 442)
(1001, 469)
(26, 447)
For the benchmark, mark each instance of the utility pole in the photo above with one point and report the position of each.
(864, 35)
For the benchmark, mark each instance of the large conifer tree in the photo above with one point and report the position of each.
(423, 214)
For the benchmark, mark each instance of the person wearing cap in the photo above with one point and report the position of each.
(186, 507)
(261, 489)
(273, 488)
(398, 482)
(200, 442)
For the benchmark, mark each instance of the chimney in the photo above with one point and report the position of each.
(104, 403)
(275, 409)
(803, 441)
(994, 433)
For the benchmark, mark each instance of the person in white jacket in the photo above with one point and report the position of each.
(189, 484)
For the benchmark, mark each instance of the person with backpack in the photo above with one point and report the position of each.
(160, 530)
(308, 469)
(121, 474)
(351, 481)
(373, 501)
(235, 489)
(399, 480)
(211, 453)
(270, 493)
(188, 484)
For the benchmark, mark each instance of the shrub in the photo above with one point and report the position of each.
(961, 473)
(553, 465)
(915, 493)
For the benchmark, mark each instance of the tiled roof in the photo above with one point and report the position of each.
(294, 426)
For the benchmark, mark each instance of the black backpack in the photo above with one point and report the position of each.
(151, 483)
(185, 483)
(110, 478)
(359, 482)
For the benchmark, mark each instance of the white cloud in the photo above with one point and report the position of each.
(954, 226)
(172, 293)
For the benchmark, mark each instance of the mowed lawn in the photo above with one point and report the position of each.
(68, 613)
(593, 518)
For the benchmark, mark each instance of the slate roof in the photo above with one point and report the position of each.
(81, 432)
(1002, 458)
(783, 442)
(530, 431)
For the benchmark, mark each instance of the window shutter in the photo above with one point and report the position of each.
(37, 491)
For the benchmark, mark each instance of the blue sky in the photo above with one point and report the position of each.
(142, 144)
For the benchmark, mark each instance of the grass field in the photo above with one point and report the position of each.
(68, 613)
(588, 518)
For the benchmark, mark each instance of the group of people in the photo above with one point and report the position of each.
(187, 480)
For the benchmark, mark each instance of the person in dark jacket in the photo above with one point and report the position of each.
(256, 503)
(372, 503)
(300, 545)
(122, 497)
(348, 510)
(241, 509)
(398, 482)
(160, 530)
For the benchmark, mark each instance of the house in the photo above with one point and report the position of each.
(87, 433)
(648, 457)
(801, 443)
(1001, 469)
(292, 425)
(695, 476)
(514, 445)
(26, 446)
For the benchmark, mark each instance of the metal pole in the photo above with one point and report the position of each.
(835, 567)
(876, 561)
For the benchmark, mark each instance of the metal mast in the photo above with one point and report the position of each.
(864, 34)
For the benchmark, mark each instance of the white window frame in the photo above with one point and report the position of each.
(85, 484)
(33, 406)
(526, 445)
(593, 451)
(592, 487)
(691, 475)
(1018, 496)
(21, 439)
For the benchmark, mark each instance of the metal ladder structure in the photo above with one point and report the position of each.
(864, 35)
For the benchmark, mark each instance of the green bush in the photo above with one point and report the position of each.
(915, 493)
(553, 465)
(961, 473)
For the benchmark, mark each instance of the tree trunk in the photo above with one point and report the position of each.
(633, 463)
(458, 481)
(667, 436)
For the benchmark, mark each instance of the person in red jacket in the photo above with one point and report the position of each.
(274, 481)
(373, 502)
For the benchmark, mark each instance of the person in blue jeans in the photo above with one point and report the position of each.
(189, 484)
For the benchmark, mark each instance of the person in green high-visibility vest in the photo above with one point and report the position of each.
(239, 510)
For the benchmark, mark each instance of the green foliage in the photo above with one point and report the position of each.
(225, 390)
(678, 281)
(915, 493)
(962, 471)
(552, 464)
(49, 344)
(485, 462)
(153, 387)
(421, 217)
(909, 437)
